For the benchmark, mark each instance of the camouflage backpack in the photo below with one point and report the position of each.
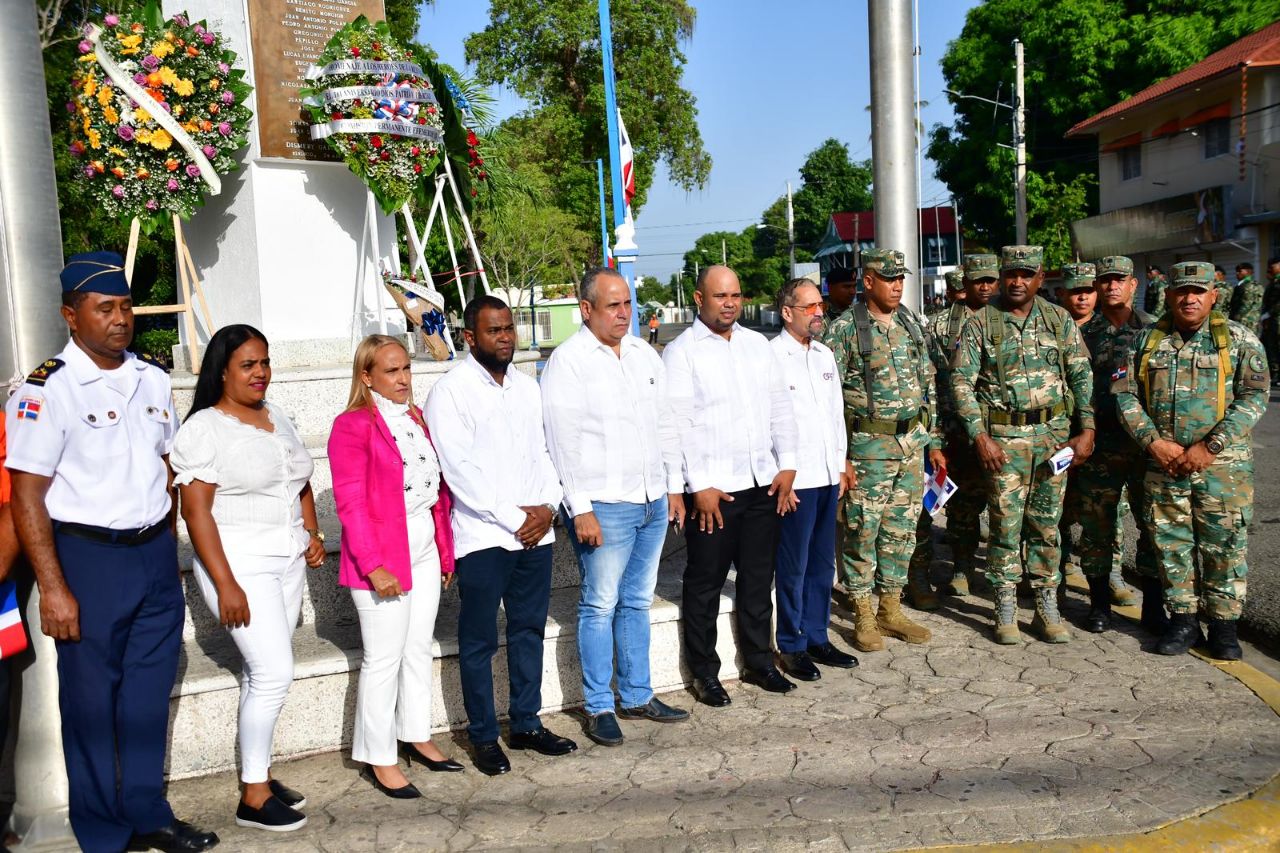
(995, 326)
(1221, 341)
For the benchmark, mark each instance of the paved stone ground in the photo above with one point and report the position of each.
(959, 741)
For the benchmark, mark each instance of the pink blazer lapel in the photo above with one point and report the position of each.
(385, 432)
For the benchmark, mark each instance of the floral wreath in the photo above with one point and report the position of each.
(376, 109)
(161, 114)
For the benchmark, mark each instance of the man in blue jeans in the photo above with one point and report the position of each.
(613, 441)
(806, 562)
(486, 420)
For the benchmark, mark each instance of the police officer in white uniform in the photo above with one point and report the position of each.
(89, 437)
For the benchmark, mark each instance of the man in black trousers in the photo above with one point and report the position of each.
(738, 442)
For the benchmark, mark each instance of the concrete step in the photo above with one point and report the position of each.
(319, 712)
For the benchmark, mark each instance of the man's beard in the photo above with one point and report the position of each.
(491, 360)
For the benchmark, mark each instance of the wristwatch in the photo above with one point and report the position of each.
(551, 508)
(316, 533)
(1214, 445)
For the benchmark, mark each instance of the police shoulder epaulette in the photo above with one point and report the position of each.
(42, 373)
(152, 360)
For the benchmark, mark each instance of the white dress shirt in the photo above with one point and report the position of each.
(100, 435)
(259, 477)
(493, 452)
(421, 465)
(610, 429)
(816, 399)
(732, 408)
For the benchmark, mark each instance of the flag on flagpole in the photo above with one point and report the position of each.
(627, 156)
(13, 636)
(938, 488)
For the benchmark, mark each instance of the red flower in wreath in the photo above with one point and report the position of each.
(376, 141)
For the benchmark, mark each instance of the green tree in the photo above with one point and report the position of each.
(1081, 57)
(831, 182)
(548, 52)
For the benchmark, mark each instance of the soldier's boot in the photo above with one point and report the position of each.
(1099, 618)
(1121, 595)
(1006, 616)
(866, 636)
(1182, 634)
(1048, 621)
(918, 587)
(959, 583)
(892, 622)
(1223, 644)
(1153, 615)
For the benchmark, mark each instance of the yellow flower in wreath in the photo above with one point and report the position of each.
(90, 86)
(161, 140)
(95, 138)
(110, 114)
(142, 115)
(167, 75)
(119, 152)
(142, 136)
(185, 88)
(214, 84)
(161, 49)
(130, 44)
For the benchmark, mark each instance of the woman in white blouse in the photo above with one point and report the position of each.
(397, 553)
(246, 498)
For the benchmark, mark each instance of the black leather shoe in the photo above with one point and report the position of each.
(799, 666)
(273, 815)
(828, 655)
(177, 837)
(711, 692)
(408, 792)
(1223, 644)
(286, 795)
(410, 754)
(490, 759)
(603, 728)
(1183, 633)
(768, 679)
(656, 710)
(542, 741)
(1099, 617)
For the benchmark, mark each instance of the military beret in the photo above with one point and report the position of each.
(1193, 274)
(1021, 257)
(1115, 265)
(95, 272)
(1075, 276)
(955, 281)
(886, 263)
(981, 266)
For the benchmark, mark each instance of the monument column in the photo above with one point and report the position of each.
(30, 257)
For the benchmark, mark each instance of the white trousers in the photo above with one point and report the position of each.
(393, 700)
(273, 587)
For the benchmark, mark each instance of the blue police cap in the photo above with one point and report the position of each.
(95, 272)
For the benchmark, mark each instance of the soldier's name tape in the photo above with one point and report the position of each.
(363, 66)
(372, 93)
(370, 125)
(161, 117)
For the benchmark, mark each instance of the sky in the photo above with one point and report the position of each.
(772, 81)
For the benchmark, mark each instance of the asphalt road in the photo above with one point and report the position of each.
(1261, 621)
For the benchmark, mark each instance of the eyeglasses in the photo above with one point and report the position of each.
(811, 309)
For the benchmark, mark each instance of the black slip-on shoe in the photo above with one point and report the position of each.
(603, 728)
(177, 837)
(273, 816)
(543, 741)
(656, 710)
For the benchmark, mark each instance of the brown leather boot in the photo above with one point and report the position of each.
(892, 622)
(866, 636)
(1006, 616)
(918, 587)
(1047, 620)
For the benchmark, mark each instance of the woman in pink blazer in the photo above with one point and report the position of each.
(397, 554)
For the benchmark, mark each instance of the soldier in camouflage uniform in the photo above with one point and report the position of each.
(1078, 297)
(1153, 300)
(1194, 387)
(842, 289)
(1270, 327)
(882, 356)
(1117, 464)
(1246, 299)
(1020, 376)
(977, 281)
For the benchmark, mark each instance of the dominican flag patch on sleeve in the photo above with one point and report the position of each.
(29, 408)
(13, 637)
(1121, 373)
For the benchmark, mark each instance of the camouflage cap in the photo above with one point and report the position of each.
(1075, 276)
(1021, 257)
(1192, 274)
(955, 281)
(1115, 265)
(886, 263)
(981, 266)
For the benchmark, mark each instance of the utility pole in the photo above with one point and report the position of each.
(1019, 145)
(724, 258)
(791, 233)
(955, 208)
(893, 137)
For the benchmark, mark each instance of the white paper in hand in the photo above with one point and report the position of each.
(1061, 460)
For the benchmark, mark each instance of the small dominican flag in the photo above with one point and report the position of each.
(1121, 372)
(28, 409)
(13, 637)
(938, 488)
